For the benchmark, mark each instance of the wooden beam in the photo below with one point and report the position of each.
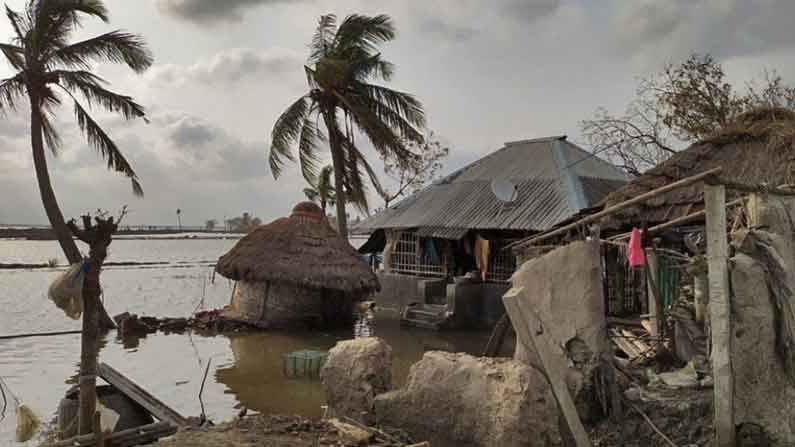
(676, 222)
(130, 437)
(618, 207)
(142, 397)
(720, 314)
(652, 293)
(529, 329)
(501, 330)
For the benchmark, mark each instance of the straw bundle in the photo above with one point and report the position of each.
(27, 421)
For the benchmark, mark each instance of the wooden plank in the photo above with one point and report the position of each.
(133, 436)
(720, 314)
(497, 338)
(625, 345)
(529, 329)
(618, 207)
(132, 390)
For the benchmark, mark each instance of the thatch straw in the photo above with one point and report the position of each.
(758, 148)
(301, 249)
(27, 423)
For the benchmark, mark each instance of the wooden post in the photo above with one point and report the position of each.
(529, 330)
(655, 306)
(720, 314)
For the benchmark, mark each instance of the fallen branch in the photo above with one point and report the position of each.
(38, 334)
(651, 424)
(201, 390)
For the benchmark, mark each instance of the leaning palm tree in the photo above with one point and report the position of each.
(323, 191)
(50, 69)
(341, 63)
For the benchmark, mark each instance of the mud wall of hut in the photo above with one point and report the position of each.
(283, 304)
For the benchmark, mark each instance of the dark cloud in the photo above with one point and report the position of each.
(436, 27)
(209, 11)
(233, 64)
(529, 10)
(672, 29)
(190, 131)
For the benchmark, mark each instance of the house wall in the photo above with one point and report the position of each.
(397, 291)
(287, 305)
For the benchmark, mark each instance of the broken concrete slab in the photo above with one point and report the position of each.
(354, 373)
(458, 399)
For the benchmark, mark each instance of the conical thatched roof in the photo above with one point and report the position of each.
(302, 249)
(758, 148)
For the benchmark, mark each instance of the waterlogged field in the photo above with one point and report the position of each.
(246, 370)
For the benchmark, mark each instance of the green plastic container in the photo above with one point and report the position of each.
(304, 364)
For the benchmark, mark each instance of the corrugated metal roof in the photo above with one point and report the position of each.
(545, 172)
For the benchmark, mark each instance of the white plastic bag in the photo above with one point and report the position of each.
(67, 291)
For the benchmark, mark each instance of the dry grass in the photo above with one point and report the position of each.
(758, 148)
(302, 249)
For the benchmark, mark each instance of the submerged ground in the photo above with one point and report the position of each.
(246, 369)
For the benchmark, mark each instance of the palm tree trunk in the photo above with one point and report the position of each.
(62, 232)
(89, 340)
(338, 161)
(54, 215)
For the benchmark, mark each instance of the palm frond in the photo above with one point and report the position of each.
(311, 194)
(18, 23)
(11, 89)
(365, 32)
(14, 54)
(286, 131)
(308, 148)
(380, 134)
(405, 104)
(90, 86)
(323, 38)
(54, 20)
(52, 138)
(358, 156)
(116, 46)
(371, 66)
(107, 148)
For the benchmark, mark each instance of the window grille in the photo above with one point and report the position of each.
(407, 257)
(502, 263)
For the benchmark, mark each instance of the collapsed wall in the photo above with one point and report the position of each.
(565, 286)
(457, 399)
(762, 284)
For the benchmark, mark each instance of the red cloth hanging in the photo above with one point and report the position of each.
(635, 254)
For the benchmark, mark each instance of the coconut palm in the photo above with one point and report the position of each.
(323, 191)
(50, 69)
(342, 61)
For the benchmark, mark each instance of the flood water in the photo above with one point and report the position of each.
(245, 369)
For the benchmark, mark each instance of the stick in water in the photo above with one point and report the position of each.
(201, 390)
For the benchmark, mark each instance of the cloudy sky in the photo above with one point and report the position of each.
(487, 72)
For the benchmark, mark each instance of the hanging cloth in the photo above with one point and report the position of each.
(635, 254)
(431, 253)
(482, 256)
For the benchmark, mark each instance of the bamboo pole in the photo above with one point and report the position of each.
(618, 207)
(675, 222)
(720, 314)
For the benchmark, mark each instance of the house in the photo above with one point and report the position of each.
(756, 151)
(296, 272)
(444, 246)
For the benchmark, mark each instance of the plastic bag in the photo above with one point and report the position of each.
(67, 291)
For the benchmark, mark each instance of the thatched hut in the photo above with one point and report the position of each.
(296, 272)
(758, 148)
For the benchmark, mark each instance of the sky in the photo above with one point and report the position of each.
(487, 72)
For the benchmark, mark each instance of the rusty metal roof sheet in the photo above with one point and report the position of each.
(553, 177)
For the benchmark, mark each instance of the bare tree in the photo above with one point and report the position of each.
(412, 174)
(684, 103)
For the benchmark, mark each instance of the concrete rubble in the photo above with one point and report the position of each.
(566, 285)
(458, 399)
(354, 373)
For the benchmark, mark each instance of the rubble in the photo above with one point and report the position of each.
(354, 373)
(457, 399)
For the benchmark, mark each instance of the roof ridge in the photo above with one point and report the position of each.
(455, 174)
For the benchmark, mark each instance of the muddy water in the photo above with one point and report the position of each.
(246, 370)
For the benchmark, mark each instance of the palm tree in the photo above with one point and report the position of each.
(341, 63)
(323, 191)
(179, 218)
(50, 69)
